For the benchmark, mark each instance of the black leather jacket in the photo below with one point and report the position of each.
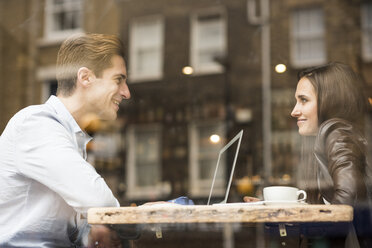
(340, 155)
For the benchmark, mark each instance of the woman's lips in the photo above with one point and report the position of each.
(300, 121)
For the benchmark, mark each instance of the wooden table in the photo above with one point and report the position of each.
(220, 214)
(170, 218)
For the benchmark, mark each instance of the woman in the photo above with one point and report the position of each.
(331, 111)
(330, 105)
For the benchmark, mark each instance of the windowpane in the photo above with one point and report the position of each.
(147, 61)
(58, 3)
(308, 37)
(143, 168)
(317, 48)
(147, 157)
(63, 16)
(208, 42)
(146, 48)
(146, 147)
(303, 49)
(204, 158)
(207, 161)
(210, 34)
(147, 174)
(206, 58)
(207, 169)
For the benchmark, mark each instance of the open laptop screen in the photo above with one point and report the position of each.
(228, 154)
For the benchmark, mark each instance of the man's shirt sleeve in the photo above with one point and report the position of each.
(47, 153)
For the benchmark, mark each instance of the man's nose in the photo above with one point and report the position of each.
(125, 92)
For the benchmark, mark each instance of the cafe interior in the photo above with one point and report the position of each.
(203, 74)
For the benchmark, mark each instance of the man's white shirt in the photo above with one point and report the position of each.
(46, 185)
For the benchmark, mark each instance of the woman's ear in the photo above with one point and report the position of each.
(84, 76)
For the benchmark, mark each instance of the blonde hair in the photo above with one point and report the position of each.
(93, 51)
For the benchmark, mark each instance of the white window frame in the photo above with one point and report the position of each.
(307, 36)
(201, 187)
(135, 191)
(135, 75)
(366, 31)
(195, 46)
(55, 36)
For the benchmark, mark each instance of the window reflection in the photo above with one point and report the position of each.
(64, 17)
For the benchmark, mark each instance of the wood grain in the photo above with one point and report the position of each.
(223, 214)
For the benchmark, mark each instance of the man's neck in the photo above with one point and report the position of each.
(74, 107)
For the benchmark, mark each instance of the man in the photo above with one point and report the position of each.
(46, 184)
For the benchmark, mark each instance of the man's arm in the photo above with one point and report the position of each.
(53, 160)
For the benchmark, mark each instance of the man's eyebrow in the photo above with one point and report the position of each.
(121, 75)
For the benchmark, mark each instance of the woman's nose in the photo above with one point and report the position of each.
(295, 112)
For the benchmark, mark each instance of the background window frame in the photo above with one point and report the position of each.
(52, 35)
(195, 46)
(201, 187)
(309, 36)
(134, 190)
(135, 74)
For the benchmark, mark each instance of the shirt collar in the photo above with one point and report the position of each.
(62, 111)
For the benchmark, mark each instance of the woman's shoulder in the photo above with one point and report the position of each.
(339, 130)
(338, 126)
(335, 123)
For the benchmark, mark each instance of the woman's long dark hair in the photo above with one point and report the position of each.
(340, 94)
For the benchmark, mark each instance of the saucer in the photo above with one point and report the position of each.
(285, 203)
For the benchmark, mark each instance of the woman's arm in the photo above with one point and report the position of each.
(341, 149)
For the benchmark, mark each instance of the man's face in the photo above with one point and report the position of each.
(109, 90)
(306, 108)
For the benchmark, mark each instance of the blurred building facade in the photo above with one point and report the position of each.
(195, 69)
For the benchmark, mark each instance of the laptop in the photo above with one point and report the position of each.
(232, 146)
(215, 192)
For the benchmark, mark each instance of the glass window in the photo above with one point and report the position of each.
(144, 162)
(208, 42)
(146, 49)
(49, 88)
(367, 31)
(63, 18)
(308, 45)
(203, 158)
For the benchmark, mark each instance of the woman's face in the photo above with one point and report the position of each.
(306, 109)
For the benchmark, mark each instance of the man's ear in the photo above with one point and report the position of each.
(84, 76)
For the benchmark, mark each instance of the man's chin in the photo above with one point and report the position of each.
(109, 117)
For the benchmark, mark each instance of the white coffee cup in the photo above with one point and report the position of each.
(283, 194)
